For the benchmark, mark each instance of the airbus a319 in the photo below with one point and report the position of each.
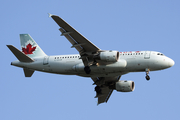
(104, 67)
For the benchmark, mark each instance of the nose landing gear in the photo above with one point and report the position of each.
(147, 77)
(147, 74)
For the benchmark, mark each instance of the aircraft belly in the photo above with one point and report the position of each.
(63, 67)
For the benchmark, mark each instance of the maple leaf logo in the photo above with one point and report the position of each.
(29, 49)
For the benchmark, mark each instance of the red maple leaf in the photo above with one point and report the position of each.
(29, 49)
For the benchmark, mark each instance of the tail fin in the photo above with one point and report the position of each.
(30, 47)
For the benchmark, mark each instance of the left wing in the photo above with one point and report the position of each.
(85, 48)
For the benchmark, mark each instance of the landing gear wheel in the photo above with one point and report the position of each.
(147, 77)
(98, 89)
(87, 69)
(147, 74)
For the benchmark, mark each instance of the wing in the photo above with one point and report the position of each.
(106, 93)
(85, 48)
(76, 39)
(106, 90)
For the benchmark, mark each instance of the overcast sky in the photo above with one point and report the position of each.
(123, 25)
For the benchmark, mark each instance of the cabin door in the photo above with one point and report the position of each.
(147, 54)
(46, 60)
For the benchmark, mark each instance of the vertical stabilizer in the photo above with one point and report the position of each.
(30, 47)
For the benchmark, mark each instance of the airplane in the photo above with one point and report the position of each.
(104, 67)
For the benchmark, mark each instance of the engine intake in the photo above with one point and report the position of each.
(124, 86)
(109, 56)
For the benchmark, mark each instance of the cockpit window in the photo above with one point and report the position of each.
(160, 54)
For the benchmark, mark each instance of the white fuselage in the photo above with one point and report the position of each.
(136, 61)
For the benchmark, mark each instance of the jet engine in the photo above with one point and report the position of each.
(124, 86)
(109, 56)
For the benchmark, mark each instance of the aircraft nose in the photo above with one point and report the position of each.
(171, 62)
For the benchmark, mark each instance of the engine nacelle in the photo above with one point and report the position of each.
(109, 56)
(124, 86)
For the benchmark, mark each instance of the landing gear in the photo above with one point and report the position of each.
(87, 69)
(147, 77)
(98, 91)
(147, 74)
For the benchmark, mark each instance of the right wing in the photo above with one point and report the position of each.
(105, 84)
(106, 93)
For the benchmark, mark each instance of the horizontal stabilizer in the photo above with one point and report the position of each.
(27, 72)
(19, 55)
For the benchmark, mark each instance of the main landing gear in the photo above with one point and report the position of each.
(147, 74)
(98, 91)
(99, 82)
(87, 69)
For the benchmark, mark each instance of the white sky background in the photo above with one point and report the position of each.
(124, 25)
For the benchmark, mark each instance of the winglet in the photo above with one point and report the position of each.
(50, 14)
